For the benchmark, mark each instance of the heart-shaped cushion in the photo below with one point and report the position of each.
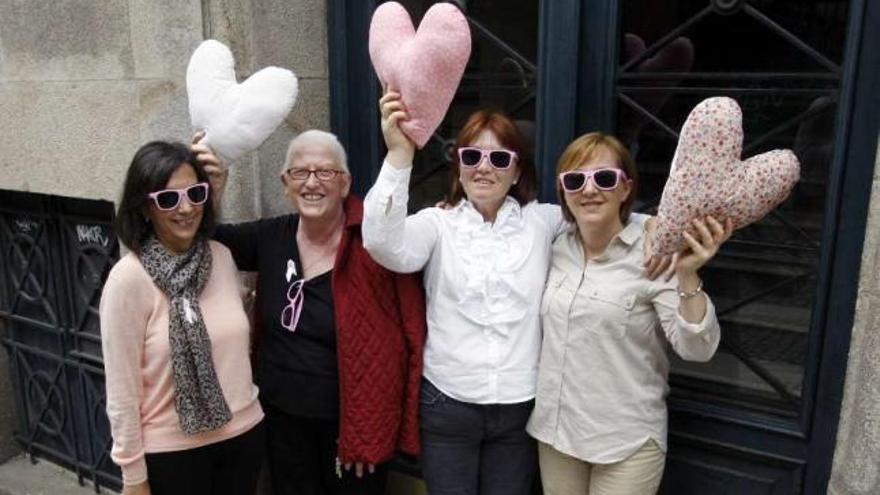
(708, 176)
(236, 118)
(424, 66)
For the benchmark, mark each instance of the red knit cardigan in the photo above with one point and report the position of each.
(380, 336)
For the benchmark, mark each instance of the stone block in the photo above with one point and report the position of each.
(164, 34)
(239, 200)
(69, 139)
(271, 158)
(312, 108)
(162, 110)
(231, 22)
(291, 34)
(63, 40)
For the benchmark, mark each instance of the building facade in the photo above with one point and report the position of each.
(789, 404)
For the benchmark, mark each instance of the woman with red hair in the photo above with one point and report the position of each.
(485, 261)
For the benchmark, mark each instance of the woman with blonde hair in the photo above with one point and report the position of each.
(600, 409)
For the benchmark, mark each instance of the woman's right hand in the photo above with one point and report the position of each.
(400, 149)
(142, 488)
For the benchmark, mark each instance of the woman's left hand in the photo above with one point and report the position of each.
(204, 153)
(710, 235)
(359, 468)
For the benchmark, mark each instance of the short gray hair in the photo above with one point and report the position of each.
(319, 138)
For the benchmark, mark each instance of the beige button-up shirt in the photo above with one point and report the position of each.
(602, 380)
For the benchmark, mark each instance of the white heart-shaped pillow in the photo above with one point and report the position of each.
(236, 118)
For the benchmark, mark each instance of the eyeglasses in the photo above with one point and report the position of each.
(605, 179)
(500, 159)
(323, 174)
(290, 313)
(169, 199)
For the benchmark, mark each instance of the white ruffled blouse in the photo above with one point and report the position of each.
(483, 283)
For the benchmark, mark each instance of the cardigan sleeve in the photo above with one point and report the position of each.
(124, 311)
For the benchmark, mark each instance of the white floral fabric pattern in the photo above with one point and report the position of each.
(708, 176)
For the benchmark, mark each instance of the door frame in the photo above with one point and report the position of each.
(575, 35)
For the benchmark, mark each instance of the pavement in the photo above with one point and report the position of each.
(18, 476)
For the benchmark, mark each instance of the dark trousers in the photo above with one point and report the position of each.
(302, 458)
(230, 467)
(470, 449)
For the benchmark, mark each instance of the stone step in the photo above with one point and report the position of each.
(726, 369)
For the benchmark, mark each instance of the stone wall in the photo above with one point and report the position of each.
(83, 83)
(856, 469)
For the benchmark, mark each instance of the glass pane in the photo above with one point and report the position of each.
(780, 61)
(499, 75)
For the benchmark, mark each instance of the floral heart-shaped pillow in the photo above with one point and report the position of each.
(236, 118)
(425, 66)
(708, 177)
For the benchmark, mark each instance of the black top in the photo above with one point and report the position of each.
(297, 371)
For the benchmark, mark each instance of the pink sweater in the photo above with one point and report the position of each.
(137, 362)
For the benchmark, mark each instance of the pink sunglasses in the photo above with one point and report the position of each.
(605, 179)
(471, 157)
(291, 313)
(169, 199)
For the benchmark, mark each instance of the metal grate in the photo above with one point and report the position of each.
(56, 255)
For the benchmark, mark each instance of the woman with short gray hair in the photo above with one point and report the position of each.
(340, 352)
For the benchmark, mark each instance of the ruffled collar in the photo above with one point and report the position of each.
(491, 256)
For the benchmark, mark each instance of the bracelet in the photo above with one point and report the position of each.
(687, 295)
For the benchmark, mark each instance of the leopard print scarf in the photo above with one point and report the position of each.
(198, 397)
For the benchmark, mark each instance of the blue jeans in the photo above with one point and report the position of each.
(471, 449)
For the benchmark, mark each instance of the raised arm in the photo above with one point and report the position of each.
(400, 243)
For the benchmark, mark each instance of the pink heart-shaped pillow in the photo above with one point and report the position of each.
(425, 66)
(708, 176)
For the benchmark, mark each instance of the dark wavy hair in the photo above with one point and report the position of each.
(150, 170)
(508, 134)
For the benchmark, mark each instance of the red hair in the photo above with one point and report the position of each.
(525, 190)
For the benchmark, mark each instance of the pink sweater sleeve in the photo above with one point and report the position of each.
(124, 310)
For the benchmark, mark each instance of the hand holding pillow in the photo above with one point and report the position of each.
(708, 177)
(424, 66)
(236, 118)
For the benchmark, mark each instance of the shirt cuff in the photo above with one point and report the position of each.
(135, 472)
(702, 328)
